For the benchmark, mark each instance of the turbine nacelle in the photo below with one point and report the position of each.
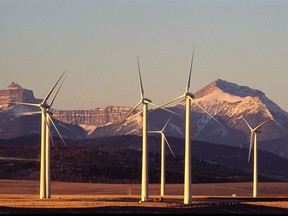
(146, 101)
(189, 94)
(45, 106)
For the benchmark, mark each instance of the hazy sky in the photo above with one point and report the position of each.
(97, 41)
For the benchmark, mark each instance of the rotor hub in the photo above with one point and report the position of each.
(146, 100)
(189, 94)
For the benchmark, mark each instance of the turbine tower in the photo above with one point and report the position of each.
(47, 149)
(253, 138)
(144, 101)
(163, 140)
(189, 97)
(45, 191)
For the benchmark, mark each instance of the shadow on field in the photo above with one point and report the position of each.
(191, 209)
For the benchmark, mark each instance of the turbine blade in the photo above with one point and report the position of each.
(205, 111)
(56, 93)
(56, 129)
(261, 125)
(169, 146)
(167, 122)
(126, 116)
(248, 124)
(189, 77)
(49, 131)
(140, 79)
(23, 103)
(28, 113)
(48, 95)
(164, 109)
(51, 138)
(155, 132)
(182, 96)
(50, 135)
(251, 144)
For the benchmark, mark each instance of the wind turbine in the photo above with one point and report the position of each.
(144, 101)
(253, 138)
(45, 141)
(163, 140)
(48, 149)
(189, 97)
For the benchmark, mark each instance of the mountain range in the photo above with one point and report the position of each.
(229, 103)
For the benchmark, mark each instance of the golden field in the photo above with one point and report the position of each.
(20, 196)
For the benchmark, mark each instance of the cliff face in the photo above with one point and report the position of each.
(87, 119)
(14, 122)
(15, 93)
(91, 119)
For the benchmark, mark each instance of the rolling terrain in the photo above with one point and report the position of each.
(118, 160)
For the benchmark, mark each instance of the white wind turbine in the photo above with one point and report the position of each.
(45, 191)
(144, 101)
(163, 140)
(187, 171)
(253, 138)
(47, 150)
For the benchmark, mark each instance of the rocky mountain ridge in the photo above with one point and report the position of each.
(227, 102)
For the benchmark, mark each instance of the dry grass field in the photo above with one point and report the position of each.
(19, 196)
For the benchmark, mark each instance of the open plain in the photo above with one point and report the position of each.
(21, 197)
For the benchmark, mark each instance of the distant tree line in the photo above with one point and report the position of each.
(104, 165)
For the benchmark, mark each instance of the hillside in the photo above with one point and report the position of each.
(98, 160)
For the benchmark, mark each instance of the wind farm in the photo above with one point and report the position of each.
(87, 148)
(166, 196)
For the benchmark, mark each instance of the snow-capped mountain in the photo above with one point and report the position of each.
(227, 102)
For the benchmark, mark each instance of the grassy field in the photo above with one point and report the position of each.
(19, 196)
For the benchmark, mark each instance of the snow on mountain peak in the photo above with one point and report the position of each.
(230, 88)
(14, 86)
(221, 90)
(219, 94)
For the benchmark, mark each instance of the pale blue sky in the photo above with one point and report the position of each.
(241, 41)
